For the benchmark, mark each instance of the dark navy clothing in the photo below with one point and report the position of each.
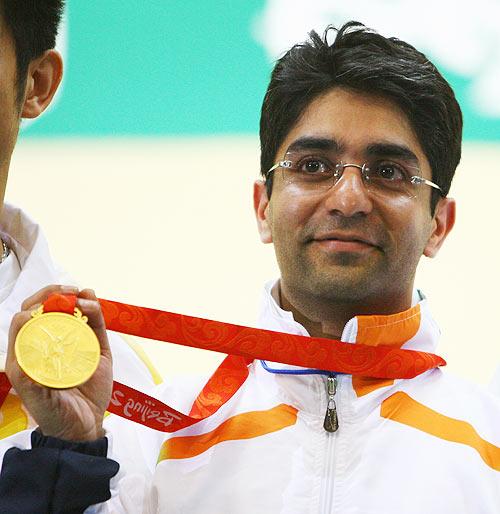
(55, 476)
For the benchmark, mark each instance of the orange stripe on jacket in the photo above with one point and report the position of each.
(402, 408)
(242, 426)
(393, 330)
(13, 419)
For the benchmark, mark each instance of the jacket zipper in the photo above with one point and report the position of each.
(331, 422)
(330, 425)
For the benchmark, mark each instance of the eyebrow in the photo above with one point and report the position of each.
(391, 150)
(381, 149)
(315, 143)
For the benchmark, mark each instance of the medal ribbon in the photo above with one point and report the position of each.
(243, 345)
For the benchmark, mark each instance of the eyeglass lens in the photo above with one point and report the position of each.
(319, 170)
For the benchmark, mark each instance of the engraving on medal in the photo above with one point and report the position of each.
(57, 350)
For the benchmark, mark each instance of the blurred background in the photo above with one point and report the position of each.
(152, 147)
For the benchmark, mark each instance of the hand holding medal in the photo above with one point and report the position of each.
(61, 366)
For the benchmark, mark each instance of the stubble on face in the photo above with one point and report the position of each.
(345, 277)
(314, 275)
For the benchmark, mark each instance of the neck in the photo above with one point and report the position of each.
(327, 318)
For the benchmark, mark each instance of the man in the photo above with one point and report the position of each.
(360, 139)
(31, 71)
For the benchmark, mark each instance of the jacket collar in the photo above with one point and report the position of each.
(413, 329)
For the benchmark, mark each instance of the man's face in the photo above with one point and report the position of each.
(9, 109)
(347, 244)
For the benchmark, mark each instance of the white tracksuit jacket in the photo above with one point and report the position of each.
(430, 445)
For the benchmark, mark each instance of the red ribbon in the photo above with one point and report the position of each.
(243, 345)
(4, 387)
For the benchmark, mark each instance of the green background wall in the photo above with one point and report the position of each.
(160, 67)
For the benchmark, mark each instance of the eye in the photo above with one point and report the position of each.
(389, 171)
(313, 166)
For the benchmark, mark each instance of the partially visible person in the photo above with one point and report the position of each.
(30, 73)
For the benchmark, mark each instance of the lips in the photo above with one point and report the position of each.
(348, 238)
(345, 242)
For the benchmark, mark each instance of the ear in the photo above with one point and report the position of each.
(261, 208)
(44, 77)
(442, 223)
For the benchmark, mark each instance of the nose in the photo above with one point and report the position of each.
(349, 196)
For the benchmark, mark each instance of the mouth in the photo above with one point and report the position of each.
(340, 242)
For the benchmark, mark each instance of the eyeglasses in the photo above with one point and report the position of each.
(314, 173)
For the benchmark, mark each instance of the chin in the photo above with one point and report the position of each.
(348, 284)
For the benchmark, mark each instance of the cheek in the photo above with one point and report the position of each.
(289, 214)
(409, 226)
(9, 121)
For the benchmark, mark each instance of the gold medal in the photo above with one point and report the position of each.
(57, 350)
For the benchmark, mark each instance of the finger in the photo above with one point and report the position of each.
(43, 294)
(88, 299)
(88, 294)
(92, 309)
